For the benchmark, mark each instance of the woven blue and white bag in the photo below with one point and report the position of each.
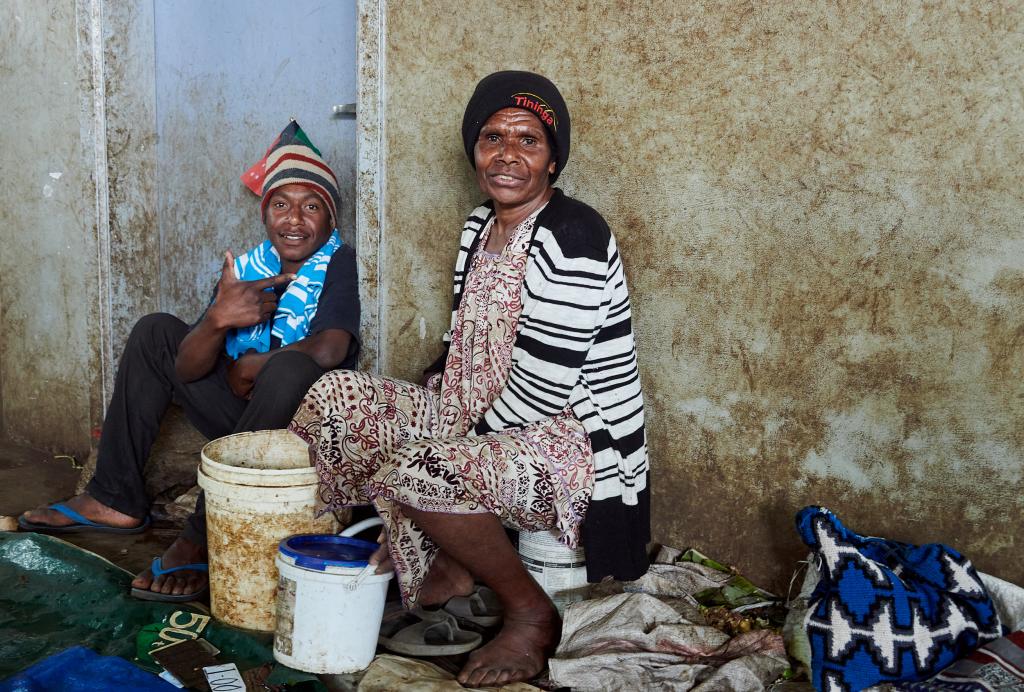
(885, 611)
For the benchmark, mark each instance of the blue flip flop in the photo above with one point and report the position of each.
(81, 524)
(157, 568)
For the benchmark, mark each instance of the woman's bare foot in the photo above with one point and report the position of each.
(445, 579)
(532, 627)
(181, 552)
(520, 650)
(88, 507)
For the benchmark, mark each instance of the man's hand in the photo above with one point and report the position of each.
(237, 304)
(242, 373)
(243, 303)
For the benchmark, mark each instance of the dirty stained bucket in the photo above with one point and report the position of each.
(259, 489)
(329, 602)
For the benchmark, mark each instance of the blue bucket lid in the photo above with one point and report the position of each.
(322, 550)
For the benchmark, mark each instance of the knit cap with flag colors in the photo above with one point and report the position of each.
(292, 159)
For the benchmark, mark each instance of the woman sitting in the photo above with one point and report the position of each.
(534, 419)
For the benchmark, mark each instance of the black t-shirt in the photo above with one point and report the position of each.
(338, 307)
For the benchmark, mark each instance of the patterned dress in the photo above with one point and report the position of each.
(383, 441)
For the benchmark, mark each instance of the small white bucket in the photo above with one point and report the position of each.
(560, 571)
(259, 489)
(329, 602)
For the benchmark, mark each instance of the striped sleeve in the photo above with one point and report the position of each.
(565, 300)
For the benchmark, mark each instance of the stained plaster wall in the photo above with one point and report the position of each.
(130, 262)
(48, 225)
(819, 206)
(228, 78)
(78, 203)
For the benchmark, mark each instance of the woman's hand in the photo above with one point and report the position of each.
(382, 556)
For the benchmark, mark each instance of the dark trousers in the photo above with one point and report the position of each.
(146, 385)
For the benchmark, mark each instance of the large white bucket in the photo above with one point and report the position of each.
(329, 602)
(560, 571)
(259, 488)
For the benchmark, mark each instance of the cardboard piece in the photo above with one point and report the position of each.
(186, 660)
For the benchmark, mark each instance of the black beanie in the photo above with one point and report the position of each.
(524, 90)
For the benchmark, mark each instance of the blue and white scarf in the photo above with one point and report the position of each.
(297, 306)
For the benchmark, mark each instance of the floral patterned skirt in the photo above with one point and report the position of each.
(375, 441)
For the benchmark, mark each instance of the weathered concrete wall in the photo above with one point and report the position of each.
(49, 342)
(77, 218)
(228, 77)
(132, 260)
(819, 206)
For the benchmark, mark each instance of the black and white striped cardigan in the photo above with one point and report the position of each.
(574, 346)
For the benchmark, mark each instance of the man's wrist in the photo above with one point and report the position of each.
(215, 322)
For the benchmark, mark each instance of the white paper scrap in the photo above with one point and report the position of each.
(169, 677)
(224, 678)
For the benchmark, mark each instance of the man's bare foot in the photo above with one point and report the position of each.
(519, 652)
(89, 508)
(445, 579)
(181, 552)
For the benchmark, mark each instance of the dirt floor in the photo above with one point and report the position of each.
(31, 478)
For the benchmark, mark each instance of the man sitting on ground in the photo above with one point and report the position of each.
(282, 315)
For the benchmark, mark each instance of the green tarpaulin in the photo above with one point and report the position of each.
(54, 595)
